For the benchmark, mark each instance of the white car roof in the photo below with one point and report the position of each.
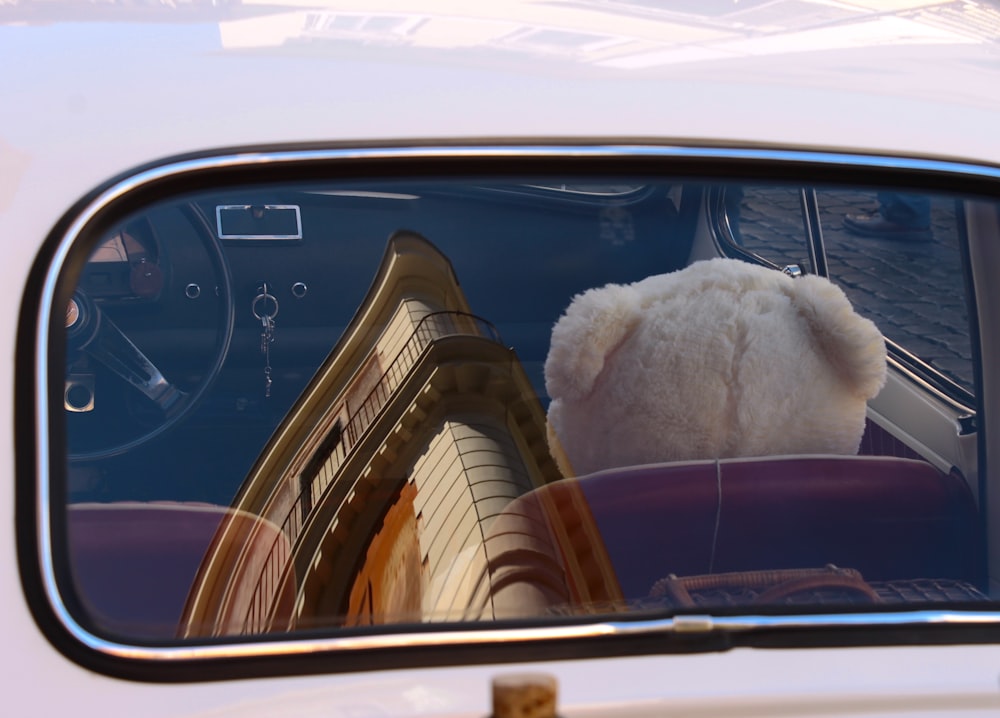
(901, 77)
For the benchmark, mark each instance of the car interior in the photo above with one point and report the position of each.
(319, 405)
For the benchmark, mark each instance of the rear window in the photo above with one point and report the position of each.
(305, 406)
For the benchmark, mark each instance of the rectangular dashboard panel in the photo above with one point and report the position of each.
(259, 222)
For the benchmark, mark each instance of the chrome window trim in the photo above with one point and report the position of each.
(489, 634)
(721, 230)
(908, 363)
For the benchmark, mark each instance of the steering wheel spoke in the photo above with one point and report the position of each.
(110, 346)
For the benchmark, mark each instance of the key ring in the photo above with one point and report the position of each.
(263, 297)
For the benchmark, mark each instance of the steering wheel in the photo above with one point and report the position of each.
(93, 334)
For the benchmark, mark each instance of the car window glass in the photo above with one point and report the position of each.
(895, 254)
(897, 257)
(331, 404)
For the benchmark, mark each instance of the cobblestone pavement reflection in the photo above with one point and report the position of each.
(912, 290)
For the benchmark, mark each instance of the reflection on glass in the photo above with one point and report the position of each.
(419, 426)
(359, 434)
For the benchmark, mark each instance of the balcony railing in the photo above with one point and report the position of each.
(276, 571)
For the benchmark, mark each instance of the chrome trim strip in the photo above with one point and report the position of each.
(483, 636)
(686, 624)
(914, 375)
(911, 375)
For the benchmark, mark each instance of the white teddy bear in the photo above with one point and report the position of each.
(721, 359)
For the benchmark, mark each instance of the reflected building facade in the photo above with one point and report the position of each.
(375, 493)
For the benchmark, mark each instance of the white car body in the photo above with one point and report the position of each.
(89, 92)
